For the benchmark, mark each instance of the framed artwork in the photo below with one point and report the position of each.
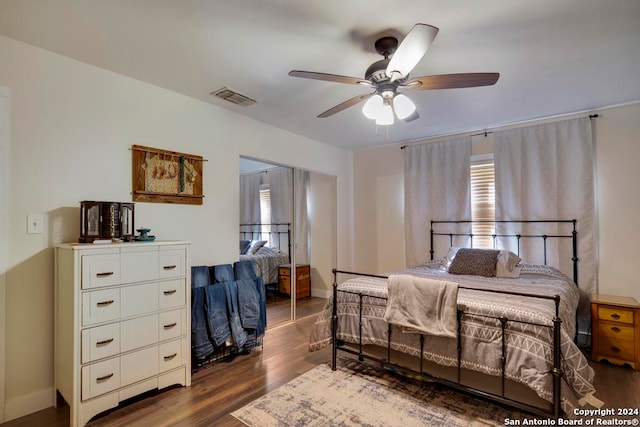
(162, 176)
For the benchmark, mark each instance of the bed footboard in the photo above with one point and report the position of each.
(501, 397)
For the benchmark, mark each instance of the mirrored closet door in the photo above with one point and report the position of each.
(287, 230)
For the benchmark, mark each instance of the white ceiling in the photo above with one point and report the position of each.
(553, 56)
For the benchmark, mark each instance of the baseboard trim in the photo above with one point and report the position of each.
(29, 404)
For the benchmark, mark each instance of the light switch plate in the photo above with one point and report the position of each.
(35, 223)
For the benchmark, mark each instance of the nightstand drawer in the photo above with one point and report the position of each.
(616, 314)
(284, 271)
(615, 330)
(616, 348)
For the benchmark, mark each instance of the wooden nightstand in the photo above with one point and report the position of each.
(615, 329)
(303, 280)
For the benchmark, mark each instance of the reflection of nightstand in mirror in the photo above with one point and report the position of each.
(303, 280)
(615, 329)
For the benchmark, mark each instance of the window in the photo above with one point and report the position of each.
(483, 196)
(265, 213)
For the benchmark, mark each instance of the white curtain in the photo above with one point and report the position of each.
(282, 182)
(281, 189)
(545, 172)
(436, 187)
(250, 198)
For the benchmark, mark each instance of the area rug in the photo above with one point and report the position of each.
(361, 395)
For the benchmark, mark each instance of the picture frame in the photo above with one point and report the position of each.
(163, 176)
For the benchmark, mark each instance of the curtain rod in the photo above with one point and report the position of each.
(486, 132)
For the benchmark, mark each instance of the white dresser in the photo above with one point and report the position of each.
(122, 322)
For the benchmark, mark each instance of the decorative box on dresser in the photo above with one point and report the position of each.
(615, 329)
(122, 322)
(303, 280)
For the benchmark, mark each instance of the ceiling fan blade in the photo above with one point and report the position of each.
(330, 77)
(344, 105)
(411, 50)
(452, 81)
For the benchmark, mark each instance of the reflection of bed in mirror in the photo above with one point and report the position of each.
(268, 246)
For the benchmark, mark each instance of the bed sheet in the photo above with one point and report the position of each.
(266, 261)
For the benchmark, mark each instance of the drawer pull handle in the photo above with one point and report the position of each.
(105, 303)
(615, 316)
(615, 349)
(106, 274)
(104, 378)
(170, 325)
(169, 267)
(104, 342)
(615, 329)
(171, 292)
(167, 358)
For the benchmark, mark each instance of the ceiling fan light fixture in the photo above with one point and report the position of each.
(373, 108)
(386, 116)
(403, 106)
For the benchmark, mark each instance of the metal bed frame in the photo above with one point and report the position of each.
(557, 371)
(255, 232)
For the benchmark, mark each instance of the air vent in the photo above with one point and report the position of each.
(232, 96)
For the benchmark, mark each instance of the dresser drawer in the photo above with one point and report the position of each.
(139, 265)
(171, 293)
(139, 299)
(616, 348)
(137, 333)
(100, 342)
(616, 314)
(100, 378)
(100, 270)
(172, 264)
(615, 330)
(170, 355)
(171, 324)
(138, 365)
(100, 306)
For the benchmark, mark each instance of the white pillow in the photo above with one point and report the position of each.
(446, 262)
(508, 265)
(255, 245)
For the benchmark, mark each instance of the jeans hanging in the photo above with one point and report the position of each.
(200, 342)
(216, 313)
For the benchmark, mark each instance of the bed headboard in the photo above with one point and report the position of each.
(515, 233)
(277, 233)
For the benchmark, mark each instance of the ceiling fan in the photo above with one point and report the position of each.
(390, 74)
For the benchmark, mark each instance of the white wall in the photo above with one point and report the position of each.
(4, 228)
(378, 189)
(322, 232)
(71, 128)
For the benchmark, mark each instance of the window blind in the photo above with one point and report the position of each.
(265, 213)
(483, 206)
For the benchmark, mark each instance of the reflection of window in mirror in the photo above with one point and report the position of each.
(265, 212)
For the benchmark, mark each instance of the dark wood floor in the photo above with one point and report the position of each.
(224, 387)
(279, 308)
